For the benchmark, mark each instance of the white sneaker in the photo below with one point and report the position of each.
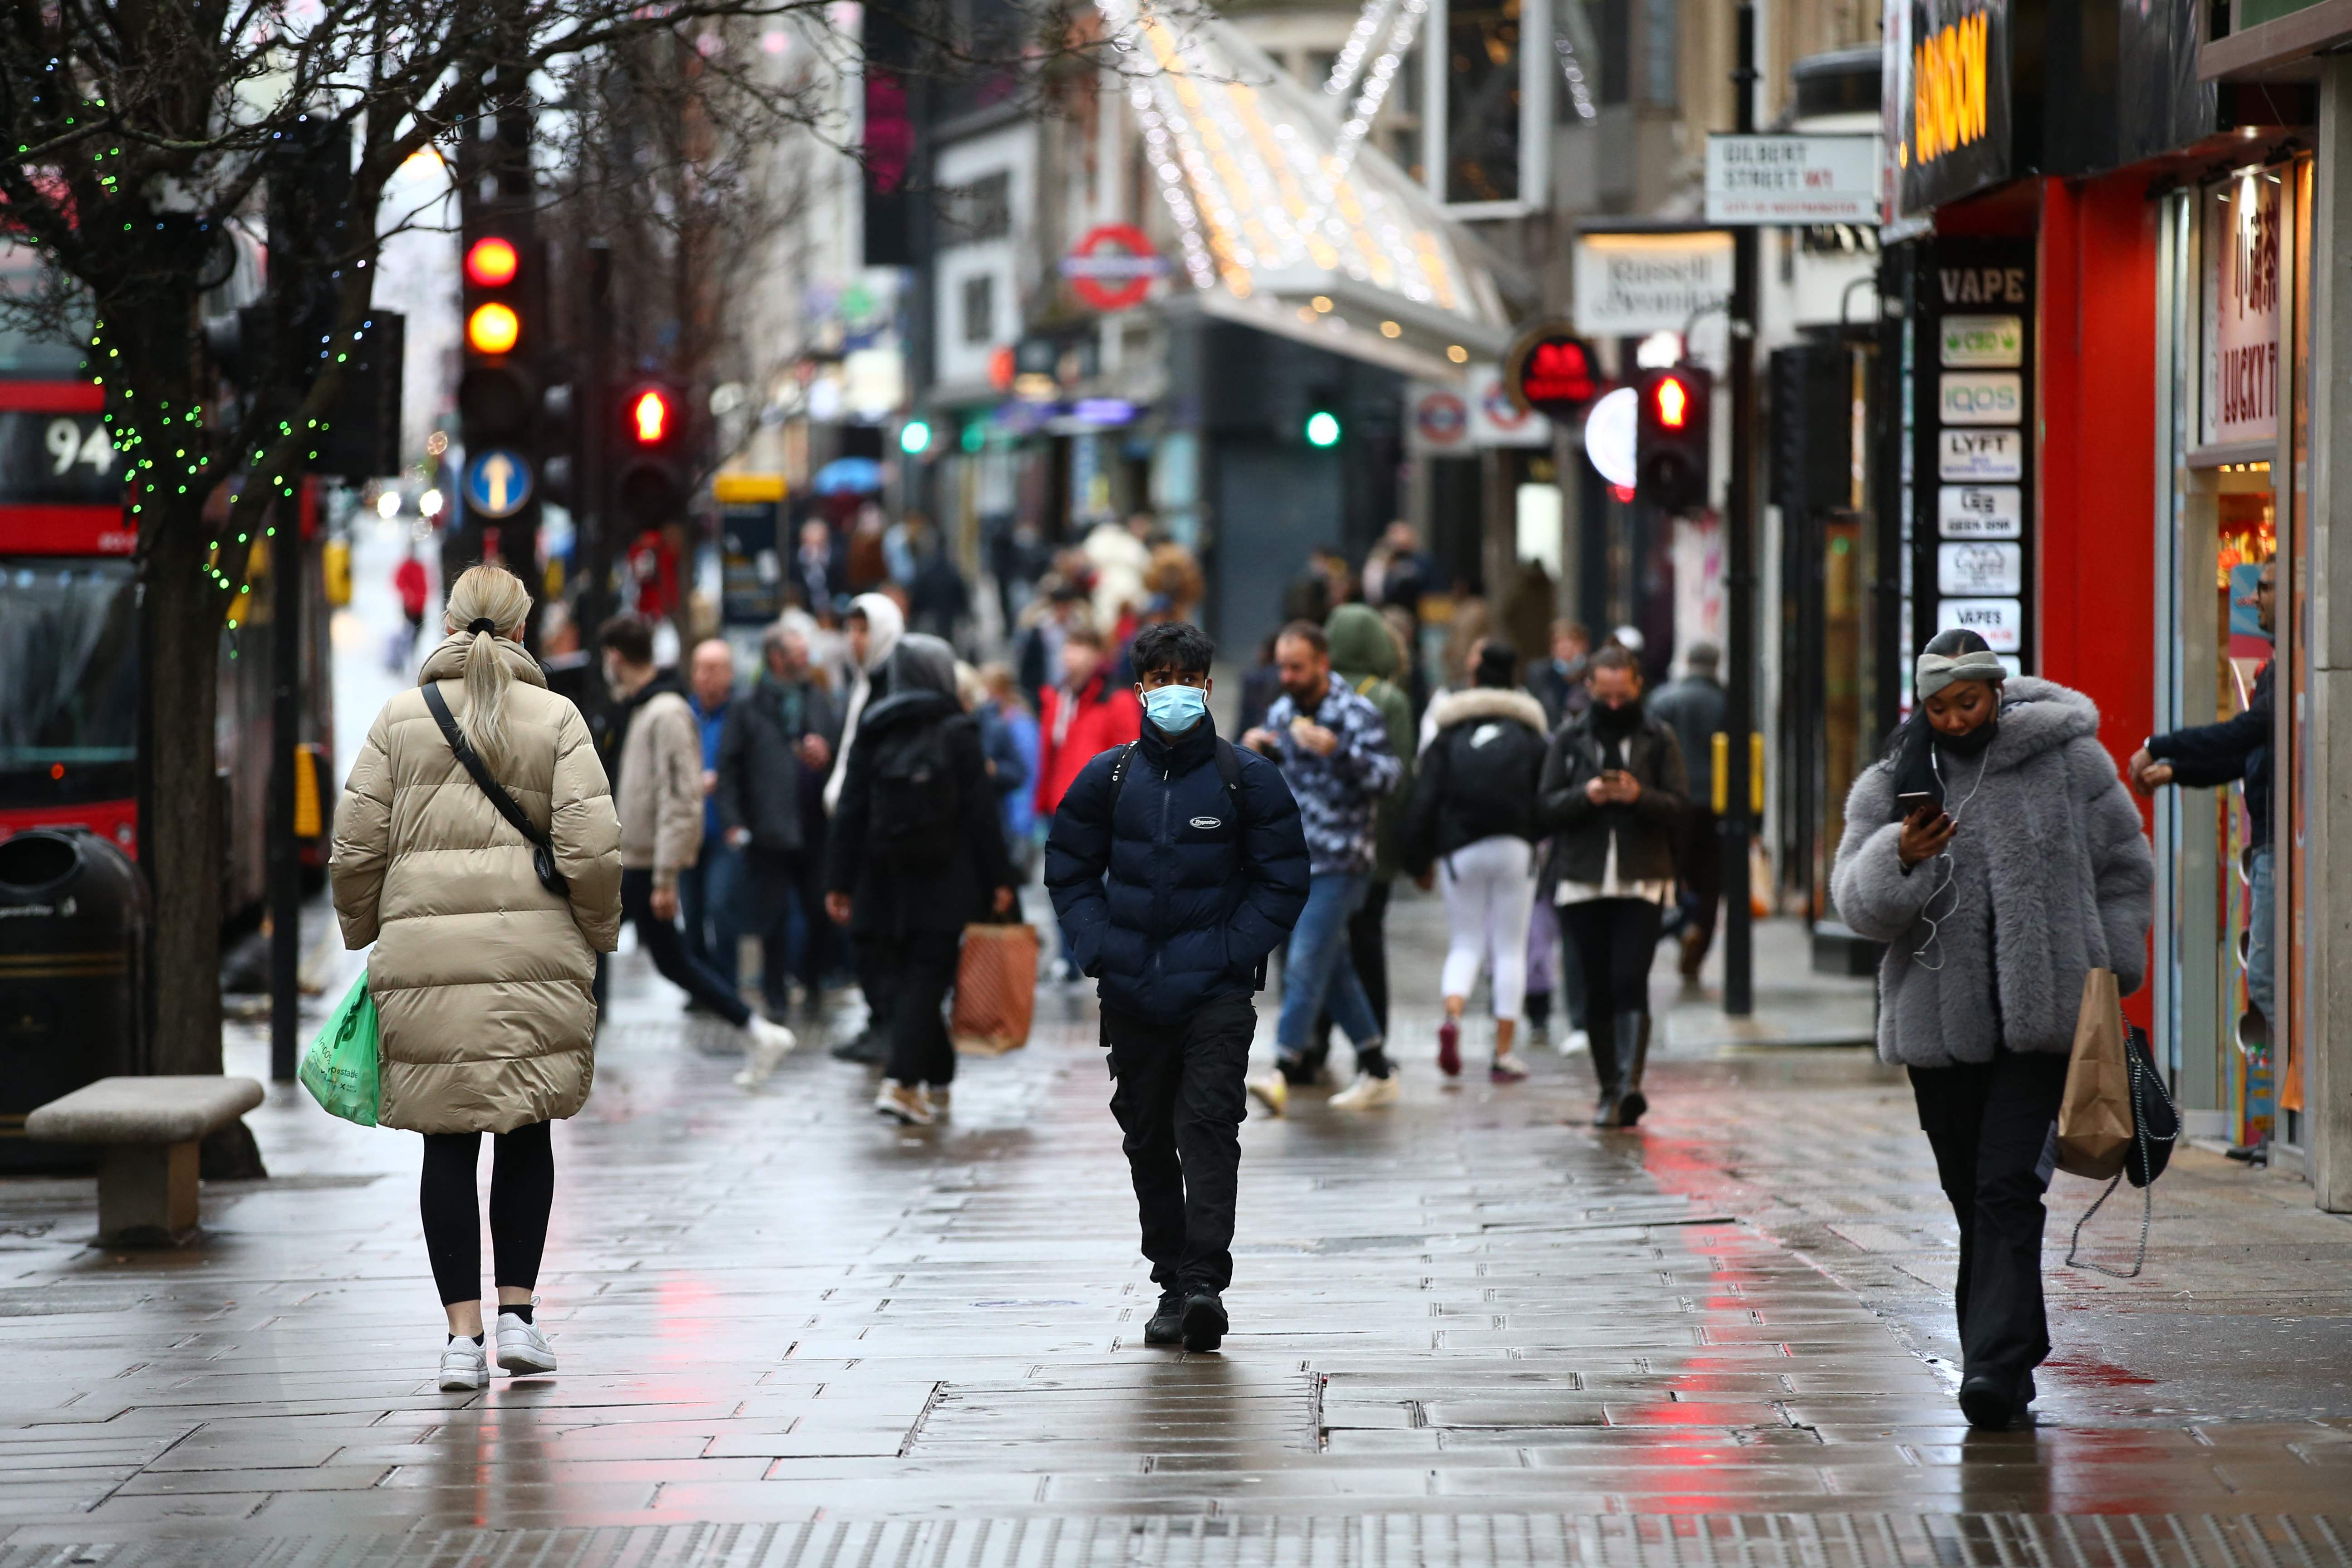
(765, 1045)
(464, 1368)
(522, 1349)
(905, 1102)
(1273, 1090)
(1578, 1040)
(1368, 1091)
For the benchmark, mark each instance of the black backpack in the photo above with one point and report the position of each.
(917, 811)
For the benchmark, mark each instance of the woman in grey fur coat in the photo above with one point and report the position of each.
(1996, 852)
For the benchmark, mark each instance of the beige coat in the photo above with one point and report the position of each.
(483, 980)
(661, 790)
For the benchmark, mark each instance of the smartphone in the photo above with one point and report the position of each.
(1910, 801)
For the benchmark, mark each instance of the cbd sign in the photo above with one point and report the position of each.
(1550, 371)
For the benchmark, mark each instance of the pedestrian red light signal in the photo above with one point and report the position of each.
(492, 262)
(1674, 403)
(649, 418)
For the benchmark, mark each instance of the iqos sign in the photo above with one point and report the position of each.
(1982, 397)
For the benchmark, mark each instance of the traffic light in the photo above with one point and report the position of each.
(1322, 429)
(497, 396)
(1670, 439)
(650, 479)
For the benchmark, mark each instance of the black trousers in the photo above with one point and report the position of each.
(1179, 1102)
(912, 974)
(1614, 940)
(523, 1191)
(1368, 948)
(665, 945)
(780, 882)
(1991, 1125)
(1702, 872)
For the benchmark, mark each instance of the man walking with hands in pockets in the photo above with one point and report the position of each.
(1176, 863)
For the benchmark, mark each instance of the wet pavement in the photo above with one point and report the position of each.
(1465, 1328)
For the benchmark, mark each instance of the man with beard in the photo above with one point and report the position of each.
(1612, 799)
(1332, 746)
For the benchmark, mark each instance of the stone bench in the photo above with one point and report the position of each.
(146, 1130)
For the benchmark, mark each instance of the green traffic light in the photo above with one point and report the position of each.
(914, 437)
(1322, 429)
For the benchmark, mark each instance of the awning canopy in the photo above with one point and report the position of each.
(1290, 221)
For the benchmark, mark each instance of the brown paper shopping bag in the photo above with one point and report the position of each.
(2095, 1119)
(996, 990)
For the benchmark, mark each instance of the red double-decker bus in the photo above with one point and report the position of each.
(68, 633)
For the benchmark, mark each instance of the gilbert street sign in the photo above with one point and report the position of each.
(1790, 179)
(498, 483)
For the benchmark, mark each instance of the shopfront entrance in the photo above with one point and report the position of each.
(2235, 272)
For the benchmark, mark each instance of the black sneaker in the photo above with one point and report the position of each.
(1990, 1405)
(1204, 1320)
(1167, 1324)
(870, 1050)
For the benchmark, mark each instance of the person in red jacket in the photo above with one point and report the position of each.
(1081, 718)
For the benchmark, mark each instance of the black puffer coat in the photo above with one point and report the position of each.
(1478, 775)
(1177, 900)
(887, 903)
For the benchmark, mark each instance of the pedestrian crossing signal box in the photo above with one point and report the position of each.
(652, 479)
(1671, 437)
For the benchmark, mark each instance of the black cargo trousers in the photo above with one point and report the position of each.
(1179, 1099)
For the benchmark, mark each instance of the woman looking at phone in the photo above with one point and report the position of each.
(1995, 851)
(1612, 799)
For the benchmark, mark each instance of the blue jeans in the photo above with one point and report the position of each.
(710, 906)
(2262, 972)
(1316, 970)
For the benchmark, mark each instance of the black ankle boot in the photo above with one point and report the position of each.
(1632, 1055)
(1605, 1113)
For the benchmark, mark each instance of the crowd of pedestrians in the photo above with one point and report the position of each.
(867, 796)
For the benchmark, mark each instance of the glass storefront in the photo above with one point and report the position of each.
(2235, 284)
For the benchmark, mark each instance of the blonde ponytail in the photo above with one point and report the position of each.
(489, 593)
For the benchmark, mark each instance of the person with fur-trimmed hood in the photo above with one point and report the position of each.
(1995, 851)
(1472, 821)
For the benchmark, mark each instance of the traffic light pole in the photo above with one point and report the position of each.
(1740, 811)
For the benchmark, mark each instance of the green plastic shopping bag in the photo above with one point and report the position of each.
(338, 1070)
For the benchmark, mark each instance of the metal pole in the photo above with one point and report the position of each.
(1739, 578)
(285, 865)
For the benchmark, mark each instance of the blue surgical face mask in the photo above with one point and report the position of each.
(1175, 709)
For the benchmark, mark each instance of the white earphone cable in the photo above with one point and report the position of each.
(1950, 872)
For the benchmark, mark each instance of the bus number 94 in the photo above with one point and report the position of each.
(67, 444)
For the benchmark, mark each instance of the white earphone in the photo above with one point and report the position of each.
(1944, 858)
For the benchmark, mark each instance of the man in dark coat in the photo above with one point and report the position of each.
(916, 854)
(1693, 708)
(773, 756)
(1176, 863)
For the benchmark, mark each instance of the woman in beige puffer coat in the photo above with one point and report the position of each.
(483, 979)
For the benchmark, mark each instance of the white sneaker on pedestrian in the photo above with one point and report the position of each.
(1368, 1091)
(1578, 1040)
(905, 1102)
(765, 1044)
(522, 1349)
(464, 1368)
(1272, 1089)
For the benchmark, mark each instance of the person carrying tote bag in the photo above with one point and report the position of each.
(486, 931)
(1995, 851)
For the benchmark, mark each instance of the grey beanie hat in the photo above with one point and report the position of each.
(1935, 671)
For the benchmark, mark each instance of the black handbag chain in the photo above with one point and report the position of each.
(2140, 1069)
(542, 847)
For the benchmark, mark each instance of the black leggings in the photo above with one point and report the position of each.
(1615, 940)
(522, 1190)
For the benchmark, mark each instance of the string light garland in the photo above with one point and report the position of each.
(1580, 93)
(1350, 61)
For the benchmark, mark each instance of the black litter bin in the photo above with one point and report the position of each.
(74, 919)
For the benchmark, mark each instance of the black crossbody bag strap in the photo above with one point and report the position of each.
(542, 847)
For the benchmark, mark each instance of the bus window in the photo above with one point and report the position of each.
(69, 680)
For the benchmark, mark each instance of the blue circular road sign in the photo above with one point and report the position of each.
(498, 483)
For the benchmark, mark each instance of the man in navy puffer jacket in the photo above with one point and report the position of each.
(1176, 865)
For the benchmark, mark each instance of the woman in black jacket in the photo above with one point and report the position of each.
(1612, 800)
(1473, 814)
(916, 854)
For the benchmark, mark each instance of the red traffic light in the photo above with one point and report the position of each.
(1674, 402)
(492, 262)
(649, 416)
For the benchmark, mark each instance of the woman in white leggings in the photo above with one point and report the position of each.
(1472, 821)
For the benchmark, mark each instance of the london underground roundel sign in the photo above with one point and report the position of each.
(1552, 371)
(1112, 266)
